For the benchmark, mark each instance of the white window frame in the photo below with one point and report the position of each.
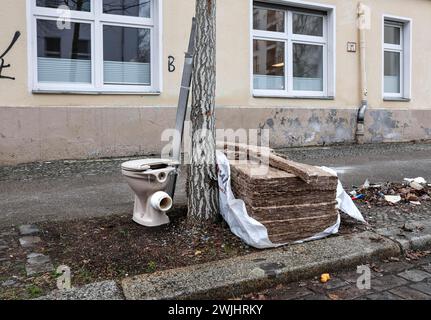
(405, 50)
(97, 19)
(327, 41)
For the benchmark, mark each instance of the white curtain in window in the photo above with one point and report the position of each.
(392, 84)
(64, 70)
(127, 73)
(263, 82)
(307, 84)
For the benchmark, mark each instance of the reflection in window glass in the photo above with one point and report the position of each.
(307, 67)
(268, 20)
(135, 8)
(127, 55)
(392, 35)
(309, 25)
(268, 65)
(76, 5)
(63, 55)
(392, 72)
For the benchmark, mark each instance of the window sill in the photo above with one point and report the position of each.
(83, 92)
(395, 99)
(293, 97)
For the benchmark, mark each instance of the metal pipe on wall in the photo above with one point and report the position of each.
(363, 24)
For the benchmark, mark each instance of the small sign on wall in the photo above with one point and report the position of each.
(351, 46)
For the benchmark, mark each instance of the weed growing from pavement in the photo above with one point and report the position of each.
(34, 291)
(151, 267)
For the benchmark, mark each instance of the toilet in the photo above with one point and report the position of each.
(151, 180)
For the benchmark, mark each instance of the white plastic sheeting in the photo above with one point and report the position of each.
(251, 231)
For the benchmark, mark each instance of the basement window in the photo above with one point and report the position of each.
(293, 50)
(95, 46)
(396, 58)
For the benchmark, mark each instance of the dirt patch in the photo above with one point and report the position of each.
(115, 247)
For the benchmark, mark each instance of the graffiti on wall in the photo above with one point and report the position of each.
(3, 64)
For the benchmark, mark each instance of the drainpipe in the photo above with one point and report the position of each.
(360, 130)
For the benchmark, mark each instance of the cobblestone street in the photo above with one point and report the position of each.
(394, 279)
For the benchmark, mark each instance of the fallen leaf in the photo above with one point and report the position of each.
(333, 296)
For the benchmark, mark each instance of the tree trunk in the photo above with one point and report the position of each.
(203, 201)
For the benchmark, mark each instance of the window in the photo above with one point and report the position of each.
(396, 59)
(290, 52)
(393, 58)
(95, 46)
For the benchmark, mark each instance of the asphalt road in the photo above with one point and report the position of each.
(378, 163)
(64, 190)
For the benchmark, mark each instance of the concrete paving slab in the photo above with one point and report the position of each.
(424, 287)
(233, 277)
(30, 241)
(385, 295)
(349, 293)
(410, 294)
(28, 230)
(414, 275)
(292, 293)
(387, 282)
(105, 290)
(38, 263)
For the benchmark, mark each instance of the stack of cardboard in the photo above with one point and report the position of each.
(290, 207)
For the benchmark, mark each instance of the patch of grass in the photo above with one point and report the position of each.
(3, 277)
(125, 232)
(56, 275)
(83, 275)
(151, 267)
(34, 291)
(228, 249)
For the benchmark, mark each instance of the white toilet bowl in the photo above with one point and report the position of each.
(150, 179)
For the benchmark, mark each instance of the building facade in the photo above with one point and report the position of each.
(100, 78)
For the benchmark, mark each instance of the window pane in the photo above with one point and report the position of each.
(392, 72)
(134, 8)
(77, 5)
(392, 35)
(63, 55)
(268, 20)
(268, 65)
(127, 55)
(307, 67)
(307, 25)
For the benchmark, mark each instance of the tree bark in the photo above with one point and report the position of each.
(203, 201)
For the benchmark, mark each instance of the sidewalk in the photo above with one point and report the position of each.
(206, 265)
(81, 189)
(393, 279)
(77, 189)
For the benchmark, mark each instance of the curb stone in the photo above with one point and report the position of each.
(242, 275)
(237, 276)
(418, 237)
(105, 290)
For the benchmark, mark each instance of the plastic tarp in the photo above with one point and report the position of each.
(251, 231)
